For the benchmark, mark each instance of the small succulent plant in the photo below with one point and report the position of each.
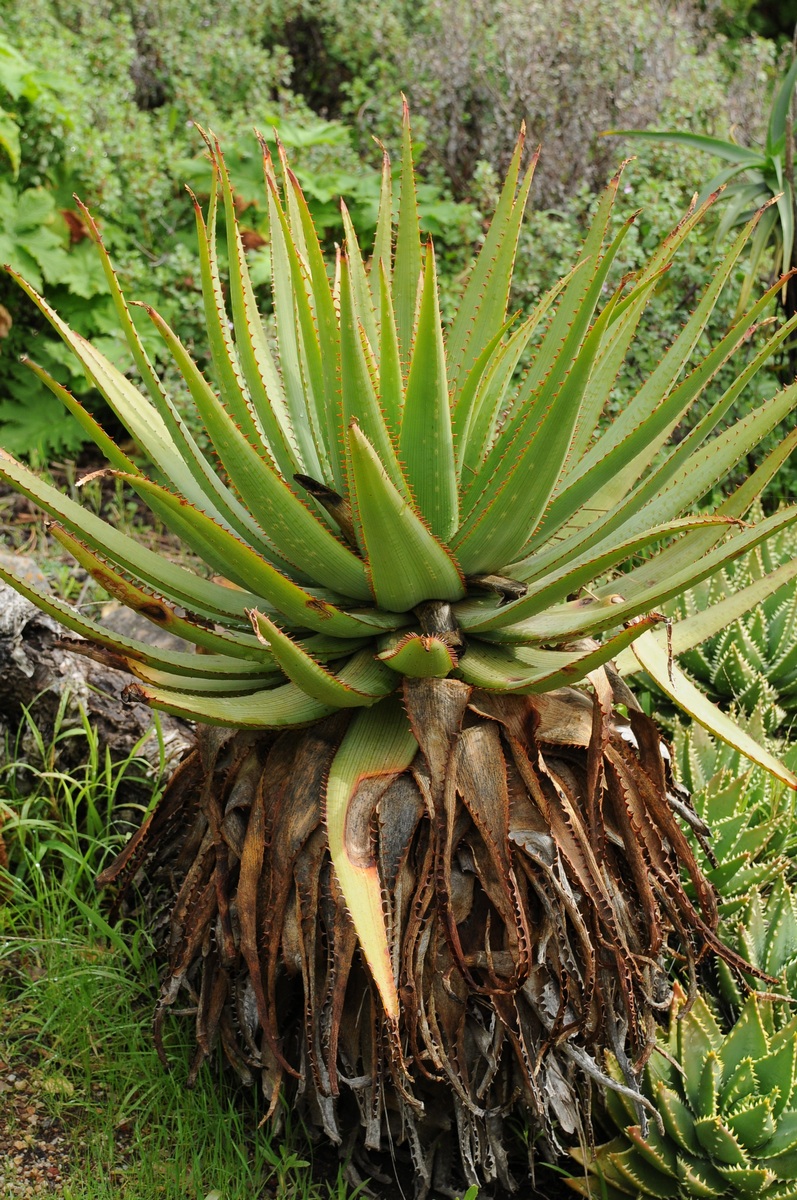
(765, 934)
(727, 1105)
(752, 659)
(749, 812)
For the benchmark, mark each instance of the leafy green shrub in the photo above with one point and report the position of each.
(138, 77)
(347, 59)
(99, 101)
(38, 238)
(569, 70)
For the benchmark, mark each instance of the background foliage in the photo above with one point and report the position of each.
(100, 99)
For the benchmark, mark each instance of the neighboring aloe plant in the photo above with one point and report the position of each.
(769, 176)
(752, 659)
(735, 632)
(727, 1106)
(749, 814)
(766, 935)
(446, 896)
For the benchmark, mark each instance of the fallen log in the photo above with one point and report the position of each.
(43, 684)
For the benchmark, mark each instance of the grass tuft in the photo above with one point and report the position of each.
(77, 999)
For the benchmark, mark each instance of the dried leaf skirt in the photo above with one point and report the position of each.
(532, 869)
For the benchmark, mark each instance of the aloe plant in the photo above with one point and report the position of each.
(768, 178)
(751, 659)
(733, 635)
(765, 933)
(417, 869)
(748, 815)
(726, 1114)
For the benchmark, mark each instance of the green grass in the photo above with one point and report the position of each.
(77, 1000)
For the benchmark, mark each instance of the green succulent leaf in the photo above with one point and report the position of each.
(678, 1119)
(263, 381)
(377, 745)
(199, 595)
(718, 1141)
(427, 446)
(275, 708)
(230, 655)
(708, 1090)
(316, 680)
(407, 264)
(358, 392)
(753, 1126)
(293, 529)
(482, 309)
(301, 608)
(653, 659)
(406, 563)
(419, 657)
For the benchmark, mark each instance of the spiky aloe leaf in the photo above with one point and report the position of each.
(605, 480)
(199, 595)
(301, 608)
(273, 708)
(543, 593)
(530, 670)
(419, 657)
(535, 445)
(323, 305)
(382, 258)
(360, 401)
(230, 654)
(653, 659)
(406, 563)
(314, 679)
(482, 309)
(427, 446)
(295, 531)
(643, 587)
(378, 745)
(263, 380)
(407, 264)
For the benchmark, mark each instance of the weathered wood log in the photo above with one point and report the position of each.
(38, 674)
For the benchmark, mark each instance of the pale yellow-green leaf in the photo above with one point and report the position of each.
(653, 658)
(379, 742)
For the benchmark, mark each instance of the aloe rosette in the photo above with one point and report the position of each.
(726, 1105)
(764, 933)
(748, 815)
(751, 658)
(426, 863)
